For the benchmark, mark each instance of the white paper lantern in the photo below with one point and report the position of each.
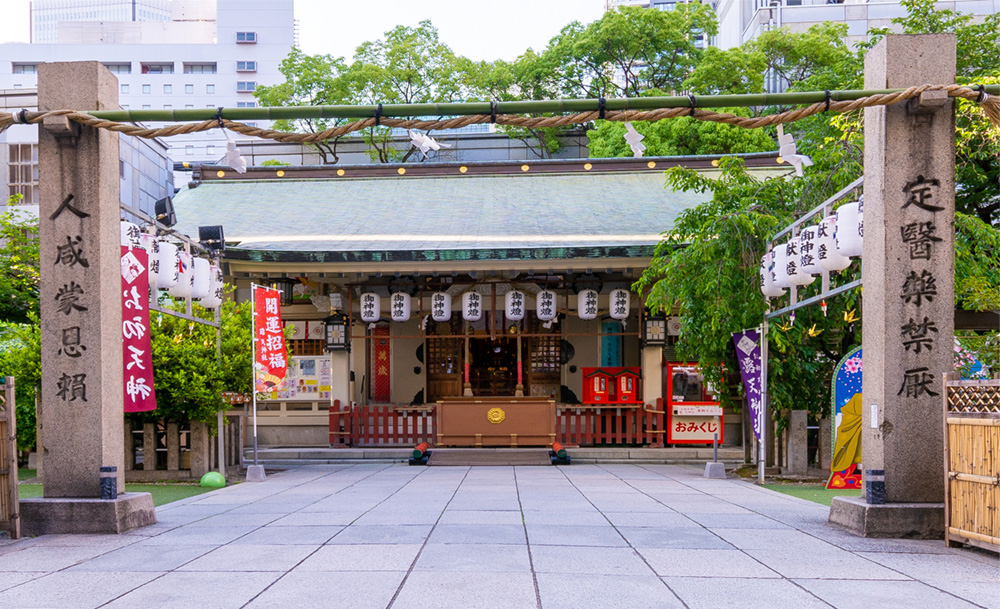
(767, 286)
(513, 305)
(152, 246)
(440, 306)
(214, 298)
(472, 306)
(793, 264)
(169, 273)
(201, 282)
(586, 304)
(827, 256)
(185, 276)
(129, 234)
(399, 306)
(849, 230)
(545, 305)
(618, 302)
(779, 267)
(808, 263)
(371, 307)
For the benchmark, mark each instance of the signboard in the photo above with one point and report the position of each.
(308, 379)
(270, 360)
(845, 467)
(693, 414)
(137, 351)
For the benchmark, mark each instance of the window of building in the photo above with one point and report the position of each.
(246, 37)
(188, 106)
(23, 172)
(189, 89)
(146, 106)
(124, 106)
(246, 66)
(199, 68)
(147, 89)
(209, 150)
(168, 89)
(246, 104)
(24, 68)
(246, 86)
(157, 68)
(210, 89)
(119, 68)
(189, 150)
(124, 89)
(168, 106)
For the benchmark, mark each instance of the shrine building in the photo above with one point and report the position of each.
(465, 287)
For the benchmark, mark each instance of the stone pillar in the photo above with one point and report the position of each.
(173, 447)
(200, 441)
(81, 324)
(652, 374)
(148, 447)
(825, 445)
(908, 276)
(80, 282)
(798, 442)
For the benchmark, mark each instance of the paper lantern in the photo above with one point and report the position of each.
(152, 246)
(849, 230)
(472, 306)
(793, 264)
(586, 304)
(215, 286)
(201, 280)
(513, 305)
(826, 249)
(808, 263)
(185, 276)
(767, 285)
(399, 306)
(129, 234)
(779, 268)
(169, 272)
(440, 306)
(371, 307)
(618, 302)
(545, 305)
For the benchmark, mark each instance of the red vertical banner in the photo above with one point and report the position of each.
(381, 365)
(137, 352)
(271, 361)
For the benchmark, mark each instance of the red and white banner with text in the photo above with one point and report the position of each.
(271, 362)
(137, 352)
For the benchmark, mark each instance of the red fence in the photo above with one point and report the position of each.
(388, 425)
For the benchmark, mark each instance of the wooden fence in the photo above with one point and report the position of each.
(972, 462)
(9, 519)
(388, 425)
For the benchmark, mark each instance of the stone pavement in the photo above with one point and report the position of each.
(608, 536)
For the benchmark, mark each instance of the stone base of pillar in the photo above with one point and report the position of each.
(716, 470)
(255, 473)
(72, 515)
(891, 520)
(519, 391)
(467, 390)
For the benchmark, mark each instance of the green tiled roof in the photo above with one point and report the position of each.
(472, 217)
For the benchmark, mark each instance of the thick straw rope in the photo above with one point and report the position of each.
(990, 106)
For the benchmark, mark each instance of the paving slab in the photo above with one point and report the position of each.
(471, 533)
(344, 590)
(423, 589)
(883, 594)
(564, 591)
(371, 557)
(178, 590)
(567, 535)
(587, 561)
(383, 534)
(694, 563)
(248, 557)
(474, 558)
(73, 590)
(716, 592)
(144, 557)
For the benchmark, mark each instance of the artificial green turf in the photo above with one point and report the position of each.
(162, 493)
(817, 493)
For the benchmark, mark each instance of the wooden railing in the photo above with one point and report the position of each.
(9, 519)
(972, 462)
(586, 425)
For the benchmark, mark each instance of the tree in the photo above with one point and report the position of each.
(18, 264)
(21, 357)
(410, 65)
(679, 136)
(310, 80)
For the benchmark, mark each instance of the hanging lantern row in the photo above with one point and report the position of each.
(827, 246)
(515, 305)
(174, 270)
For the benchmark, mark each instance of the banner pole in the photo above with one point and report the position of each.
(761, 449)
(253, 364)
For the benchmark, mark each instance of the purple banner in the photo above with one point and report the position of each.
(748, 356)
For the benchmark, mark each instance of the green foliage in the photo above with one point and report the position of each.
(21, 357)
(275, 163)
(18, 264)
(679, 136)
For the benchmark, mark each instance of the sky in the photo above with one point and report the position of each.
(497, 29)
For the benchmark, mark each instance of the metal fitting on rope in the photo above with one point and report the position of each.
(693, 102)
(378, 116)
(21, 117)
(827, 107)
(601, 107)
(493, 112)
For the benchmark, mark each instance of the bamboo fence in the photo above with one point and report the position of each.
(9, 520)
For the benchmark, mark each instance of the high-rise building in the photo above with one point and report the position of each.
(208, 54)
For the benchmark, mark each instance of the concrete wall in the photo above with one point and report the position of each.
(405, 382)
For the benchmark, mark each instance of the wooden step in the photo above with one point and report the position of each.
(484, 456)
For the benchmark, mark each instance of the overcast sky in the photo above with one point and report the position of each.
(497, 29)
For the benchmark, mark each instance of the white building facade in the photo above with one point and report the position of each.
(209, 54)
